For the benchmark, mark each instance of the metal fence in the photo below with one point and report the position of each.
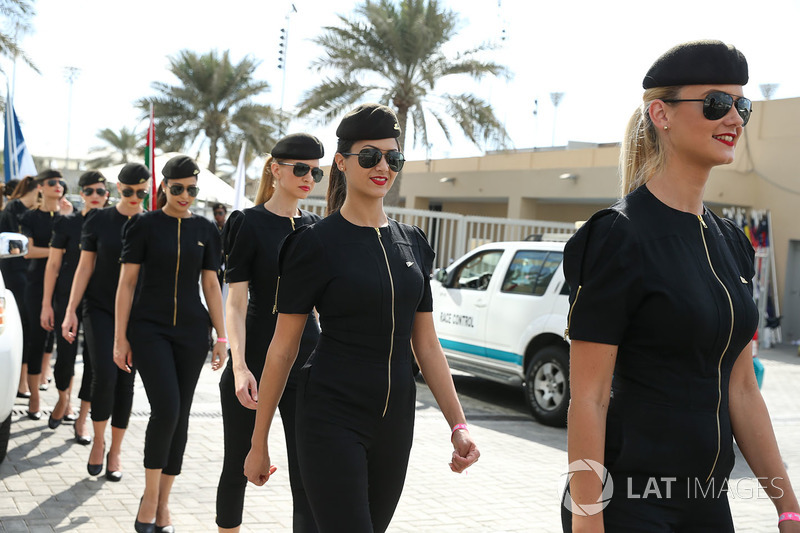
(452, 235)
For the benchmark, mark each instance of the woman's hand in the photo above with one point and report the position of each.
(123, 357)
(465, 452)
(69, 328)
(246, 388)
(47, 318)
(65, 206)
(219, 353)
(257, 467)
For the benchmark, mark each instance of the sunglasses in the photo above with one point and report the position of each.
(219, 213)
(369, 157)
(88, 191)
(177, 190)
(140, 193)
(53, 183)
(717, 104)
(301, 169)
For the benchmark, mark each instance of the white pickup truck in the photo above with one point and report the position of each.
(500, 313)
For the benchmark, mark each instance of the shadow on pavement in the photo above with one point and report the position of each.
(60, 506)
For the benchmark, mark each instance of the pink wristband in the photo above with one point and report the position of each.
(457, 427)
(222, 339)
(790, 517)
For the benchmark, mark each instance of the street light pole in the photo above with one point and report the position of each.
(284, 46)
(71, 74)
(556, 99)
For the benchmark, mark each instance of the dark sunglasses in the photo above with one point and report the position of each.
(717, 104)
(53, 183)
(301, 169)
(369, 157)
(141, 193)
(219, 213)
(88, 191)
(177, 190)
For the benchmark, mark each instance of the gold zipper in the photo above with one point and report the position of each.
(391, 344)
(278, 284)
(569, 317)
(291, 219)
(727, 345)
(177, 267)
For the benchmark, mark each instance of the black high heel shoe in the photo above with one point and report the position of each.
(53, 423)
(143, 527)
(23, 395)
(112, 475)
(80, 439)
(35, 415)
(94, 470)
(165, 529)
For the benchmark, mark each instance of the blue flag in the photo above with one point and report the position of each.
(17, 159)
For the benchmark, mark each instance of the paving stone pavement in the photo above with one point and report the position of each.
(44, 486)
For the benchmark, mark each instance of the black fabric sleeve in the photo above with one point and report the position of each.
(602, 266)
(428, 255)
(89, 231)
(239, 247)
(743, 252)
(134, 241)
(59, 237)
(301, 272)
(212, 251)
(26, 222)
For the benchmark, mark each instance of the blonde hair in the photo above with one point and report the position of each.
(642, 154)
(266, 187)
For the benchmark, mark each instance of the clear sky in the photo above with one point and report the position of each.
(596, 53)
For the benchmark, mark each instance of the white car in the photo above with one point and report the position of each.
(11, 245)
(500, 313)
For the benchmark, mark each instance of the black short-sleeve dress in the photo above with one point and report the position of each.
(673, 291)
(357, 393)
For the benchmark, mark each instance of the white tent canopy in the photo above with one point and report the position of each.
(212, 188)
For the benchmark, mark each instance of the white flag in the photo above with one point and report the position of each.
(238, 181)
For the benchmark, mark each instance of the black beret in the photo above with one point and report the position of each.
(179, 167)
(133, 174)
(698, 63)
(48, 174)
(298, 146)
(369, 121)
(90, 178)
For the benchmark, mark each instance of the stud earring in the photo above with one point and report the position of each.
(666, 127)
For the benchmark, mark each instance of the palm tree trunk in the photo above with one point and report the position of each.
(212, 155)
(393, 196)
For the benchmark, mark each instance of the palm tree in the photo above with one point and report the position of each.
(119, 146)
(16, 14)
(213, 102)
(394, 55)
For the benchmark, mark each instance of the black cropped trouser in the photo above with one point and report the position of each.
(238, 423)
(64, 368)
(35, 335)
(169, 360)
(112, 388)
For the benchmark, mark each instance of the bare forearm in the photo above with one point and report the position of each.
(436, 372)
(235, 320)
(122, 307)
(213, 296)
(37, 252)
(80, 281)
(50, 277)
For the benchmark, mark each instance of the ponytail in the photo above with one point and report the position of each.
(25, 185)
(642, 154)
(161, 196)
(337, 181)
(266, 187)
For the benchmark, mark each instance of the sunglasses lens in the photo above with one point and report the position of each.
(369, 157)
(301, 169)
(317, 174)
(395, 160)
(127, 193)
(193, 190)
(744, 107)
(717, 105)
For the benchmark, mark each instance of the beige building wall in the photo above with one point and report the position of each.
(526, 184)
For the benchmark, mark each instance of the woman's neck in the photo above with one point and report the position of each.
(29, 200)
(124, 209)
(681, 187)
(49, 204)
(367, 212)
(282, 205)
(176, 213)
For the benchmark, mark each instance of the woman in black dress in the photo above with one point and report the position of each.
(60, 270)
(37, 224)
(289, 175)
(167, 325)
(369, 279)
(662, 318)
(15, 271)
(94, 287)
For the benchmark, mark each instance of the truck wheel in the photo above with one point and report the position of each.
(5, 431)
(547, 385)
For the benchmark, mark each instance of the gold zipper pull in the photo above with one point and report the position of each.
(291, 219)
(378, 230)
(275, 305)
(703, 222)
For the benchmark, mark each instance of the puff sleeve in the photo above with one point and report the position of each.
(238, 236)
(59, 237)
(134, 241)
(302, 272)
(743, 252)
(212, 251)
(602, 266)
(428, 255)
(89, 231)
